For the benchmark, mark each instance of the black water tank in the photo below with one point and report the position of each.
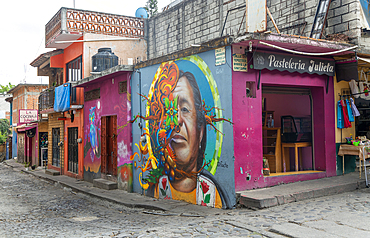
(103, 60)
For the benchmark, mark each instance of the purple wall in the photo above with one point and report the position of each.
(247, 118)
(110, 103)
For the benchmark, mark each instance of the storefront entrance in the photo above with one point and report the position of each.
(73, 150)
(287, 130)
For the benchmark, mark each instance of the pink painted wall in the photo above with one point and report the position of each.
(247, 118)
(111, 103)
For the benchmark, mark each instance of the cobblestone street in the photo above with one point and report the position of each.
(31, 207)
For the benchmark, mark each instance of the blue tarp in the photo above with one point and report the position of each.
(62, 100)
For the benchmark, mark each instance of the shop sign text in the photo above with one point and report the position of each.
(293, 64)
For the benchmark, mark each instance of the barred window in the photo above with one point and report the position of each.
(92, 95)
(74, 70)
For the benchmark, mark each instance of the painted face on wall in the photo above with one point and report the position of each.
(186, 142)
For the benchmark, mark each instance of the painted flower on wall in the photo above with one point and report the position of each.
(171, 111)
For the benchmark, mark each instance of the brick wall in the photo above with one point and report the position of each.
(55, 123)
(196, 21)
(26, 97)
(297, 17)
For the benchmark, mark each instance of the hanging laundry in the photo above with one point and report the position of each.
(346, 122)
(349, 111)
(340, 123)
(355, 111)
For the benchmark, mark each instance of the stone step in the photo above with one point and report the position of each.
(52, 172)
(104, 184)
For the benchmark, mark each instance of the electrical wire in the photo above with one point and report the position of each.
(308, 53)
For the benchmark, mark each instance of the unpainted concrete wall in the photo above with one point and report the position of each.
(197, 21)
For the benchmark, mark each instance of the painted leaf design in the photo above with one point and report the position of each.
(207, 198)
(168, 120)
(175, 101)
(163, 192)
(175, 120)
(167, 102)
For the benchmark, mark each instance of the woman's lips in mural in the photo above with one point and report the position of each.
(177, 138)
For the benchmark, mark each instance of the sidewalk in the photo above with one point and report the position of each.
(294, 192)
(132, 200)
(257, 198)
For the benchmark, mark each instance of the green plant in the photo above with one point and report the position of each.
(27, 164)
(6, 88)
(152, 7)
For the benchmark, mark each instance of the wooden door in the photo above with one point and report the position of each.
(109, 145)
(103, 145)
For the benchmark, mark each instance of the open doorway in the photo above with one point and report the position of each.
(287, 118)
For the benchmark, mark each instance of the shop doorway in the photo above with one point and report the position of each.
(55, 147)
(109, 145)
(73, 150)
(287, 126)
(20, 147)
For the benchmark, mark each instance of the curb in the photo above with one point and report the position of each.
(299, 196)
(92, 194)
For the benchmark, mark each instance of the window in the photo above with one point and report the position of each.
(74, 70)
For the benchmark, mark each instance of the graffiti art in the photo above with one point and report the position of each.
(93, 134)
(181, 147)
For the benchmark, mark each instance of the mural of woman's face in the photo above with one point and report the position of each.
(186, 142)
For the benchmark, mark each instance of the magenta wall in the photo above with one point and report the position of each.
(247, 118)
(110, 103)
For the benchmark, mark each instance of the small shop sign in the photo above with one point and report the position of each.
(220, 55)
(292, 63)
(240, 62)
(27, 115)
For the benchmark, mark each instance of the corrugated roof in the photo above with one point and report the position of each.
(44, 57)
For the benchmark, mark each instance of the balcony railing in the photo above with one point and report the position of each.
(72, 21)
(46, 100)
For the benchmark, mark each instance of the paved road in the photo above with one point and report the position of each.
(30, 207)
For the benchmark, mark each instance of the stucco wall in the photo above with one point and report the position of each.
(124, 49)
(111, 102)
(247, 116)
(214, 83)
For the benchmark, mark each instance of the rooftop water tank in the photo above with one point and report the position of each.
(103, 60)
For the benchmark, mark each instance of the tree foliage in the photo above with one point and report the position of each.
(152, 7)
(4, 130)
(6, 88)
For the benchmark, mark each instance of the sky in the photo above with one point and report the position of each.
(23, 31)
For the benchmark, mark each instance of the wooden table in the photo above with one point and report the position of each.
(347, 149)
(297, 146)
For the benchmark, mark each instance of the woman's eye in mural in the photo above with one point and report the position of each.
(185, 109)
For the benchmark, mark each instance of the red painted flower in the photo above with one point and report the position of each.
(164, 183)
(203, 204)
(167, 197)
(205, 187)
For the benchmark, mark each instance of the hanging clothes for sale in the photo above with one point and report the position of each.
(340, 123)
(354, 88)
(355, 111)
(346, 122)
(349, 111)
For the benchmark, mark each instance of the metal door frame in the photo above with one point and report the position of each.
(55, 147)
(72, 165)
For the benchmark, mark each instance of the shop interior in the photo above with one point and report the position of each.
(287, 131)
